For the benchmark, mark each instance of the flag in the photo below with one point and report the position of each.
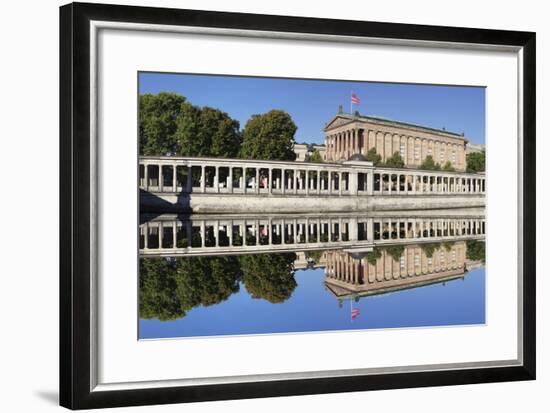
(354, 313)
(354, 99)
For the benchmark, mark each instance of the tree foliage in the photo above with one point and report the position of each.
(171, 287)
(475, 250)
(395, 251)
(448, 167)
(315, 255)
(157, 122)
(269, 276)
(373, 256)
(373, 156)
(315, 157)
(206, 132)
(269, 136)
(475, 162)
(395, 161)
(430, 248)
(429, 164)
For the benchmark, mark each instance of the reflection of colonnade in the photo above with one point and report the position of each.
(393, 268)
(240, 235)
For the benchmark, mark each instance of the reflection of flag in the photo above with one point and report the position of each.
(354, 313)
(264, 231)
(354, 99)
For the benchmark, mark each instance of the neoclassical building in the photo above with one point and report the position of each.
(346, 135)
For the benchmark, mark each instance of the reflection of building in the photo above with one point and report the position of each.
(393, 269)
(347, 134)
(303, 150)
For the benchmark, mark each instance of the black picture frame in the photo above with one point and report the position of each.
(75, 219)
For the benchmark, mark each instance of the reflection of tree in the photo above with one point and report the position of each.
(169, 288)
(430, 248)
(475, 250)
(395, 251)
(157, 286)
(269, 276)
(315, 255)
(373, 256)
(207, 280)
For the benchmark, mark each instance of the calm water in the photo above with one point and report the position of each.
(263, 293)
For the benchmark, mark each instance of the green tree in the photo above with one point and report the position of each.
(206, 132)
(269, 136)
(429, 249)
(171, 287)
(315, 157)
(157, 285)
(395, 161)
(448, 167)
(448, 245)
(315, 255)
(269, 276)
(429, 164)
(373, 256)
(157, 122)
(395, 251)
(475, 162)
(373, 157)
(475, 250)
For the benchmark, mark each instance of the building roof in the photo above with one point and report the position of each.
(391, 122)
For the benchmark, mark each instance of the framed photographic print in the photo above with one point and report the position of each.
(257, 206)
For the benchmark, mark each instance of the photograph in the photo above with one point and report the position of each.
(288, 205)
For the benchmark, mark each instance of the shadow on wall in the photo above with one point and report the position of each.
(152, 204)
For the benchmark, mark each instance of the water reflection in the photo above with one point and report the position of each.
(197, 270)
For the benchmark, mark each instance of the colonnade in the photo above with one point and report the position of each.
(201, 175)
(344, 142)
(238, 176)
(406, 182)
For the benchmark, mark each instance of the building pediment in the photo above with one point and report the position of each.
(338, 120)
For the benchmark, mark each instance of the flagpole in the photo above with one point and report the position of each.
(350, 102)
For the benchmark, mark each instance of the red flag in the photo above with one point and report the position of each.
(354, 99)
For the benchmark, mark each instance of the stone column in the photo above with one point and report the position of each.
(203, 179)
(203, 233)
(307, 182)
(283, 182)
(161, 180)
(174, 185)
(257, 178)
(243, 182)
(318, 181)
(189, 184)
(339, 183)
(217, 179)
(230, 180)
(269, 179)
(146, 176)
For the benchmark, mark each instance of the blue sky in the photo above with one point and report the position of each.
(312, 103)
